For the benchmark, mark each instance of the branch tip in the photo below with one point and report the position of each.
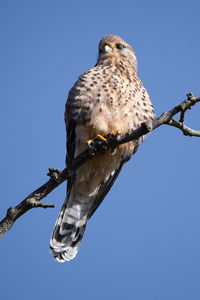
(53, 173)
(190, 96)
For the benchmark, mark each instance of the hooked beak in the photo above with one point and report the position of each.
(107, 49)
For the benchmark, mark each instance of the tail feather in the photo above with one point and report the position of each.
(73, 217)
(69, 229)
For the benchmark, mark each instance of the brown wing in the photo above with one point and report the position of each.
(104, 189)
(70, 124)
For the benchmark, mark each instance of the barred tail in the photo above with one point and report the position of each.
(69, 229)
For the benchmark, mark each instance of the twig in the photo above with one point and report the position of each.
(186, 130)
(57, 176)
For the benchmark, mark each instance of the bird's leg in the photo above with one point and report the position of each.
(98, 137)
(100, 141)
(104, 137)
(114, 133)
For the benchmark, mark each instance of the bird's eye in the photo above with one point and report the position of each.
(119, 46)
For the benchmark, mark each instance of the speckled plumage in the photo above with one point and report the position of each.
(106, 98)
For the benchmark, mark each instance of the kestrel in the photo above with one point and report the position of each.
(107, 99)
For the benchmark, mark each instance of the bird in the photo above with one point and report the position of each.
(108, 99)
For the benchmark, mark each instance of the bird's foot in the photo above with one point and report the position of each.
(98, 143)
(99, 137)
(114, 133)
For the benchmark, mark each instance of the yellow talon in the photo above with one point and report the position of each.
(98, 137)
(103, 137)
(118, 132)
(89, 142)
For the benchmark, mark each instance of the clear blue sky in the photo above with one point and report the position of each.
(144, 241)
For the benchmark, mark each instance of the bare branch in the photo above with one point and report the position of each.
(57, 176)
(186, 130)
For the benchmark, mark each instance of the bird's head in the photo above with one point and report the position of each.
(113, 46)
